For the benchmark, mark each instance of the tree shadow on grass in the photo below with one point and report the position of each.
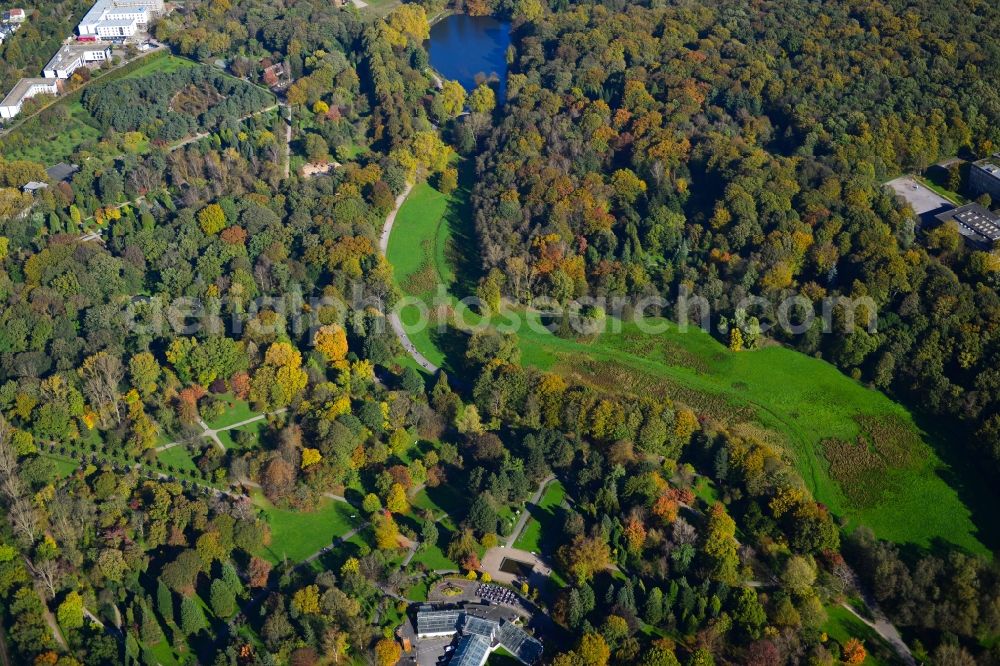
(450, 499)
(549, 520)
(964, 473)
(463, 250)
(452, 343)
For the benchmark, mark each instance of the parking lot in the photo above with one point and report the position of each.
(924, 201)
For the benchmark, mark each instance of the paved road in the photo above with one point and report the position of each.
(525, 515)
(394, 321)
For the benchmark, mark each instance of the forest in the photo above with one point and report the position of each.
(214, 448)
(742, 154)
(171, 106)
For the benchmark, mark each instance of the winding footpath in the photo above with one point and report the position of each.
(214, 434)
(394, 320)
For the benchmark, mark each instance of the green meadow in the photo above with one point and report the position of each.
(298, 534)
(860, 453)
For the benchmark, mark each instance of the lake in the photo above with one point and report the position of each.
(462, 46)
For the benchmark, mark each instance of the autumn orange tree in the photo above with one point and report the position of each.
(854, 652)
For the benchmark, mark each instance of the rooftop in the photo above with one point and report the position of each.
(975, 222)
(990, 167)
(437, 621)
(62, 171)
(102, 7)
(70, 52)
(116, 23)
(482, 629)
(22, 87)
(517, 641)
(472, 650)
(479, 626)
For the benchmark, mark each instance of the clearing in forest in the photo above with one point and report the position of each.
(860, 453)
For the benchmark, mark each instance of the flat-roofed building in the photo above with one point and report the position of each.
(72, 57)
(118, 19)
(481, 629)
(23, 90)
(978, 225)
(984, 177)
(62, 172)
(431, 623)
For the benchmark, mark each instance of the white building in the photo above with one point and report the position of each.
(14, 16)
(118, 19)
(26, 89)
(71, 57)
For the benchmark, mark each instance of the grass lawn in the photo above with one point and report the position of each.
(893, 480)
(704, 489)
(169, 63)
(543, 519)
(419, 591)
(177, 456)
(861, 454)
(60, 143)
(441, 499)
(64, 464)
(842, 625)
(298, 534)
(379, 8)
(353, 547)
(440, 226)
(228, 437)
(163, 652)
(433, 557)
(236, 411)
(29, 141)
(954, 197)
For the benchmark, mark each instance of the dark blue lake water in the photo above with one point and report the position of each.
(463, 46)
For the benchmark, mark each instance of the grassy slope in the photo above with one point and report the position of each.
(804, 399)
(794, 401)
(417, 253)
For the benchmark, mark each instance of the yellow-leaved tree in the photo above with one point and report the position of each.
(331, 341)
